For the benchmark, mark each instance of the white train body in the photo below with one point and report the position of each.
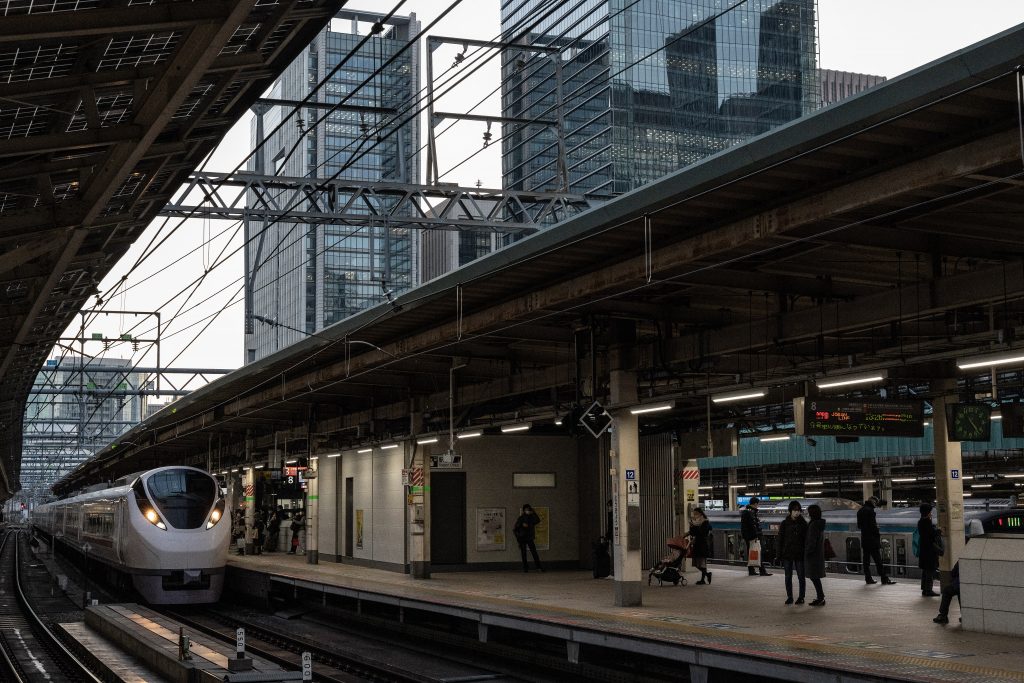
(164, 528)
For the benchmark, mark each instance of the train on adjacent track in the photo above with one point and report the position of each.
(162, 530)
(896, 525)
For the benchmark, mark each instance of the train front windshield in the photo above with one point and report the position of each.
(183, 497)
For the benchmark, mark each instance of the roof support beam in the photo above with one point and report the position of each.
(26, 28)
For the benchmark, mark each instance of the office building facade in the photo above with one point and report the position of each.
(838, 85)
(304, 277)
(642, 88)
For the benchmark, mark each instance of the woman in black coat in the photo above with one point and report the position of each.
(524, 531)
(700, 544)
(927, 555)
(792, 539)
(814, 553)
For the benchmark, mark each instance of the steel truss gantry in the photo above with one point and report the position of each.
(254, 197)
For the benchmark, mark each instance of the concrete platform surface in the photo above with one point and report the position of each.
(875, 630)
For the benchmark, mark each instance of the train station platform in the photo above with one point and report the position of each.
(739, 623)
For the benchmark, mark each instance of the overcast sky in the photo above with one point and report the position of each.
(870, 36)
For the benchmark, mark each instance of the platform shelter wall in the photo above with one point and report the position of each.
(378, 504)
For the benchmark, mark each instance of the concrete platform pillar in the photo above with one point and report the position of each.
(417, 498)
(625, 476)
(249, 493)
(949, 487)
(730, 492)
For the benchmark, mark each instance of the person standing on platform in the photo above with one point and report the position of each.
(525, 533)
(260, 525)
(700, 544)
(814, 553)
(750, 529)
(947, 595)
(871, 541)
(298, 524)
(928, 554)
(609, 535)
(792, 542)
(274, 530)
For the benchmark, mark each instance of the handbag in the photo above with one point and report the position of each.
(754, 554)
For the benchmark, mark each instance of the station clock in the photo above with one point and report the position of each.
(969, 422)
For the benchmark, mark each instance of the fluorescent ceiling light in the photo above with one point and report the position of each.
(334, 455)
(508, 429)
(967, 495)
(904, 480)
(997, 416)
(656, 408)
(260, 467)
(739, 395)
(773, 486)
(967, 478)
(863, 481)
(851, 380)
(991, 360)
(365, 450)
(224, 472)
(558, 422)
(246, 468)
(290, 462)
(927, 423)
(429, 439)
(705, 488)
(737, 486)
(1014, 476)
(814, 483)
(469, 435)
(234, 470)
(389, 447)
(777, 437)
(807, 494)
(981, 486)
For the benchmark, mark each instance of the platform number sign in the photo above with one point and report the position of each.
(307, 666)
(630, 475)
(954, 474)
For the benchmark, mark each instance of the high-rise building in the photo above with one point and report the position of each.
(838, 85)
(641, 88)
(305, 277)
(76, 408)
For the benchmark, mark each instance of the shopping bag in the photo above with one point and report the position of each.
(754, 554)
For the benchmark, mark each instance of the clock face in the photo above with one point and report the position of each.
(971, 422)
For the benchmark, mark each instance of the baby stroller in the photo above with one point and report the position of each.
(668, 569)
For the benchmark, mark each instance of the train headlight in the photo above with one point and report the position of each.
(218, 512)
(154, 518)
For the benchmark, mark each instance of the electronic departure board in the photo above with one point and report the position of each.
(831, 417)
(1013, 420)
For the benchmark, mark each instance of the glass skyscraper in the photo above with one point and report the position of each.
(641, 88)
(308, 276)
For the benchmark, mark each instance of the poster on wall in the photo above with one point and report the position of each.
(490, 528)
(359, 528)
(543, 530)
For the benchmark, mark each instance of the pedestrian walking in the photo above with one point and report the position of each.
(871, 541)
(814, 553)
(928, 550)
(700, 544)
(298, 524)
(525, 533)
(750, 530)
(792, 543)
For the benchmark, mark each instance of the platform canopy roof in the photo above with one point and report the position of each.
(884, 231)
(105, 108)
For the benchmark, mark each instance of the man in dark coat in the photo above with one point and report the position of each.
(792, 539)
(871, 541)
(525, 532)
(927, 554)
(814, 553)
(750, 529)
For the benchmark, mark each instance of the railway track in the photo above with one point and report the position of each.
(338, 657)
(30, 650)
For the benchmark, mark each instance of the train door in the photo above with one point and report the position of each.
(853, 556)
(901, 556)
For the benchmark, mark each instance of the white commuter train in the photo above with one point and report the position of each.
(163, 528)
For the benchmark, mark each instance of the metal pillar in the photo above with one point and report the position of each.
(416, 503)
(312, 510)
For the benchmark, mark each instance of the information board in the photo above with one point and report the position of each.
(1013, 420)
(832, 417)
